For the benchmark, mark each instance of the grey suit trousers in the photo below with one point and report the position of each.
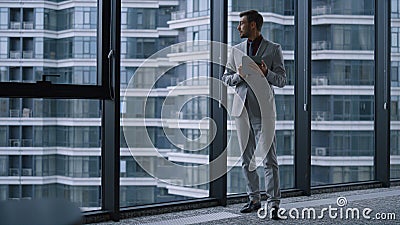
(249, 129)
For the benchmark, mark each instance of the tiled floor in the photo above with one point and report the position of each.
(375, 203)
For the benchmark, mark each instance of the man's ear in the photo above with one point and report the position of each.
(253, 24)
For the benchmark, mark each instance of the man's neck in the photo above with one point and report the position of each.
(254, 37)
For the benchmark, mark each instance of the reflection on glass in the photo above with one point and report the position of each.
(395, 92)
(281, 32)
(342, 137)
(50, 148)
(164, 135)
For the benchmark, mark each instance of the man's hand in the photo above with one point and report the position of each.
(263, 68)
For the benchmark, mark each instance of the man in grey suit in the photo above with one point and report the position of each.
(251, 129)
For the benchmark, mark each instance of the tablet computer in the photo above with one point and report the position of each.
(250, 64)
(257, 59)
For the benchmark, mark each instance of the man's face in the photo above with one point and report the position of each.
(244, 27)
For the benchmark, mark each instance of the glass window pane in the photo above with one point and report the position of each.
(160, 162)
(395, 94)
(63, 137)
(283, 34)
(64, 34)
(342, 137)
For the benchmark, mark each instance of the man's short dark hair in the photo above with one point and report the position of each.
(253, 15)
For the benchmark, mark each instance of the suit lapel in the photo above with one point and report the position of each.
(243, 47)
(263, 46)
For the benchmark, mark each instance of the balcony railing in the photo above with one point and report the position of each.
(178, 15)
(14, 112)
(15, 25)
(321, 10)
(28, 25)
(319, 80)
(190, 47)
(15, 54)
(27, 54)
(320, 45)
(341, 78)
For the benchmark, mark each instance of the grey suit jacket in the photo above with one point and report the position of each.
(271, 53)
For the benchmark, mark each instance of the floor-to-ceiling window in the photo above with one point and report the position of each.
(395, 91)
(278, 27)
(164, 101)
(50, 148)
(342, 145)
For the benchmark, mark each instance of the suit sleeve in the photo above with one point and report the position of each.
(277, 74)
(230, 77)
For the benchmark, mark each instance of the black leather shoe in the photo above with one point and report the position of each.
(250, 207)
(274, 213)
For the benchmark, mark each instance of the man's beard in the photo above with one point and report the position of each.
(244, 35)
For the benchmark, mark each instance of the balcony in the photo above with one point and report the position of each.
(321, 10)
(27, 54)
(320, 116)
(14, 112)
(15, 54)
(178, 15)
(26, 171)
(319, 81)
(320, 45)
(320, 151)
(14, 142)
(15, 25)
(26, 112)
(13, 172)
(26, 142)
(28, 25)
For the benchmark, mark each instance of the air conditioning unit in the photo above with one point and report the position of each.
(323, 45)
(320, 116)
(314, 46)
(322, 81)
(15, 143)
(15, 54)
(15, 25)
(27, 172)
(26, 112)
(320, 151)
(14, 172)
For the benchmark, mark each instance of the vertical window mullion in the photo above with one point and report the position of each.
(302, 122)
(219, 33)
(382, 92)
